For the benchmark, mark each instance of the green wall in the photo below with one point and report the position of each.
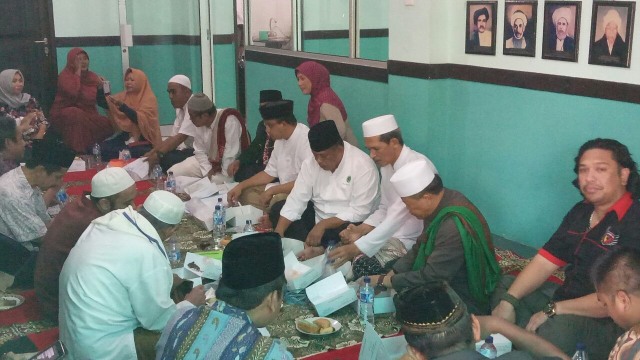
(224, 66)
(374, 48)
(338, 47)
(509, 150)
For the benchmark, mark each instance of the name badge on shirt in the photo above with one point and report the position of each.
(609, 238)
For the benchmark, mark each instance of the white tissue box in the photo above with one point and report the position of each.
(238, 215)
(299, 275)
(330, 294)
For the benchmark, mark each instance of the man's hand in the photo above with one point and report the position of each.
(315, 236)
(233, 168)
(343, 254)
(265, 198)
(234, 194)
(196, 296)
(151, 157)
(536, 320)
(350, 234)
(505, 311)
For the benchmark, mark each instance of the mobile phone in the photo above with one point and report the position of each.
(53, 352)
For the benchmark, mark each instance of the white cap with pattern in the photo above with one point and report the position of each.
(412, 178)
(110, 181)
(165, 206)
(379, 125)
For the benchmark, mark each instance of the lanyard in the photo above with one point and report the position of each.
(151, 240)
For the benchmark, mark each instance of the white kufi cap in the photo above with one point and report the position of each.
(412, 178)
(379, 125)
(165, 207)
(182, 80)
(110, 181)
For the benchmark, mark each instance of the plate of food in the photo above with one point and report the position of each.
(318, 326)
(9, 301)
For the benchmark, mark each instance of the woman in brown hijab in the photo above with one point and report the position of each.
(134, 112)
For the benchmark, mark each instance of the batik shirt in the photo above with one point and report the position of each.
(220, 331)
(627, 347)
(24, 215)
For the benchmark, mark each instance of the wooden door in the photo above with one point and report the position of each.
(27, 44)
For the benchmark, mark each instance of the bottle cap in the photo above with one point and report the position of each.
(367, 280)
(217, 207)
(489, 339)
(580, 346)
(248, 222)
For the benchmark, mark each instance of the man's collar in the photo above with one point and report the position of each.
(622, 205)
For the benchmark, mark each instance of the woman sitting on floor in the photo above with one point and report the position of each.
(21, 106)
(135, 113)
(74, 114)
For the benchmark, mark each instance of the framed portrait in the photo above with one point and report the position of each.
(520, 28)
(611, 33)
(561, 31)
(481, 27)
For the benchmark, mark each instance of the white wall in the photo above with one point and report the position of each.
(433, 31)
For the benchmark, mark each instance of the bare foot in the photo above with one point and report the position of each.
(264, 223)
(310, 252)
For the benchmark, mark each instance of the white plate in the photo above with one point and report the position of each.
(334, 323)
(18, 298)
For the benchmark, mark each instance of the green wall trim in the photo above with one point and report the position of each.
(528, 80)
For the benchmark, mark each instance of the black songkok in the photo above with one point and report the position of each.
(324, 135)
(429, 308)
(270, 95)
(276, 110)
(51, 151)
(252, 260)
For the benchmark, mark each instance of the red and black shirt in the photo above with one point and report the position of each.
(577, 247)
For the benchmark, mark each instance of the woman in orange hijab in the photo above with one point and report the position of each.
(134, 112)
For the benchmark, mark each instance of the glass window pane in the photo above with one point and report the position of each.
(325, 27)
(374, 29)
(270, 23)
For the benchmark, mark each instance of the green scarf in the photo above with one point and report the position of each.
(483, 270)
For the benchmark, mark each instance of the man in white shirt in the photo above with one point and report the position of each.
(117, 278)
(220, 138)
(179, 145)
(391, 230)
(290, 149)
(342, 183)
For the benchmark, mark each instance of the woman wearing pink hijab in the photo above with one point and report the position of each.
(324, 104)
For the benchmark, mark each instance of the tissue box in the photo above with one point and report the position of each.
(299, 275)
(204, 266)
(330, 294)
(502, 344)
(375, 348)
(382, 302)
(238, 216)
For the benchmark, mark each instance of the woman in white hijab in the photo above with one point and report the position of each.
(19, 105)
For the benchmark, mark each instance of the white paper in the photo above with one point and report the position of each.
(326, 289)
(206, 267)
(138, 169)
(374, 347)
(77, 165)
(201, 189)
(182, 182)
(292, 245)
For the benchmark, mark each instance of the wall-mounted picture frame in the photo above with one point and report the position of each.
(561, 31)
(611, 33)
(481, 27)
(520, 24)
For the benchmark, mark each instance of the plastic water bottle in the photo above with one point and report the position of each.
(328, 266)
(581, 352)
(365, 305)
(156, 175)
(170, 184)
(488, 349)
(219, 227)
(97, 154)
(248, 227)
(62, 196)
(173, 251)
(224, 209)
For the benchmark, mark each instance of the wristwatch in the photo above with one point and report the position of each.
(380, 282)
(550, 309)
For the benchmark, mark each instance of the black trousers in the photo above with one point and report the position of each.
(16, 260)
(300, 229)
(173, 157)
